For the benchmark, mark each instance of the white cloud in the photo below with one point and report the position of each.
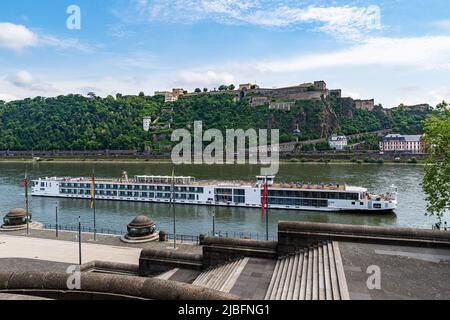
(26, 81)
(8, 97)
(16, 37)
(22, 79)
(207, 78)
(418, 53)
(442, 24)
(343, 22)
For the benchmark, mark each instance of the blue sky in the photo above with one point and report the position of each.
(395, 51)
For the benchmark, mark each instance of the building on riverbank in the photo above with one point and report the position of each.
(337, 142)
(403, 143)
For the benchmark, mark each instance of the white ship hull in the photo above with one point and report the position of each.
(220, 194)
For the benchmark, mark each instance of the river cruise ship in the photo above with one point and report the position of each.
(186, 190)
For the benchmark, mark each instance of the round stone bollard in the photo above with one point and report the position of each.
(162, 236)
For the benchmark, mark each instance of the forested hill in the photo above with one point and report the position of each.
(74, 122)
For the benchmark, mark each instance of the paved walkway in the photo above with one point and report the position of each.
(405, 272)
(110, 240)
(64, 251)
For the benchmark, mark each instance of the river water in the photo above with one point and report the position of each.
(193, 220)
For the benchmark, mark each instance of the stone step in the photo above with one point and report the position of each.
(343, 289)
(315, 273)
(293, 278)
(273, 294)
(315, 284)
(202, 278)
(326, 273)
(167, 275)
(333, 274)
(309, 276)
(272, 280)
(285, 287)
(321, 273)
(218, 276)
(232, 279)
(226, 274)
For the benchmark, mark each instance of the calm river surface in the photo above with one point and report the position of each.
(193, 220)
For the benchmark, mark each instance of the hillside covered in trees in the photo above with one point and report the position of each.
(74, 122)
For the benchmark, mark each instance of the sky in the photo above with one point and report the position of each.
(395, 51)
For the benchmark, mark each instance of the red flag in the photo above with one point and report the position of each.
(25, 184)
(92, 190)
(264, 201)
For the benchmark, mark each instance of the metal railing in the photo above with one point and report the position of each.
(169, 236)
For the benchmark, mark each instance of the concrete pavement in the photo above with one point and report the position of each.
(64, 251)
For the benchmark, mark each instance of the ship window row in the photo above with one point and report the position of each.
(298, 202)
(133, 187)
(228, 191)
(229, 198)
(313, 194)
(135, 194)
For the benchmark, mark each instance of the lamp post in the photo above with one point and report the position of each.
(79, 239)
(214, 224)
(56, 216)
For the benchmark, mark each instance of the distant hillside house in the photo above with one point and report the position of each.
(281, 105)
(368, 105)
(337, 142)
(335, 93)
(248, 86)
(403, 143)
(174, 95)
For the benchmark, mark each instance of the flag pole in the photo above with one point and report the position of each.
(172, 196)
(25, 184)
(93, 203)
(79, 240)
(267, 210)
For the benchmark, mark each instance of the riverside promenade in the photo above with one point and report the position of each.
(310, 261)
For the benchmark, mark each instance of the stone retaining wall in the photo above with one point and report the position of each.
(153, 261)
(104, 286)
(219, 250)
(296, 235)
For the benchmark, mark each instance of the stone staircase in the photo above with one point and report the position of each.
(222, 278)
(314, 273)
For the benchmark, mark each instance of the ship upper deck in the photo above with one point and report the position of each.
(190, 181)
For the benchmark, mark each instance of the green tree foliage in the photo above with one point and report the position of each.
(76, 122)
(436, 182)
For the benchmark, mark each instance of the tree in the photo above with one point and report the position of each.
(141, 94)
(223, 88)
(198, 90)
(205, 89)
(436, 182)
(231, 87)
